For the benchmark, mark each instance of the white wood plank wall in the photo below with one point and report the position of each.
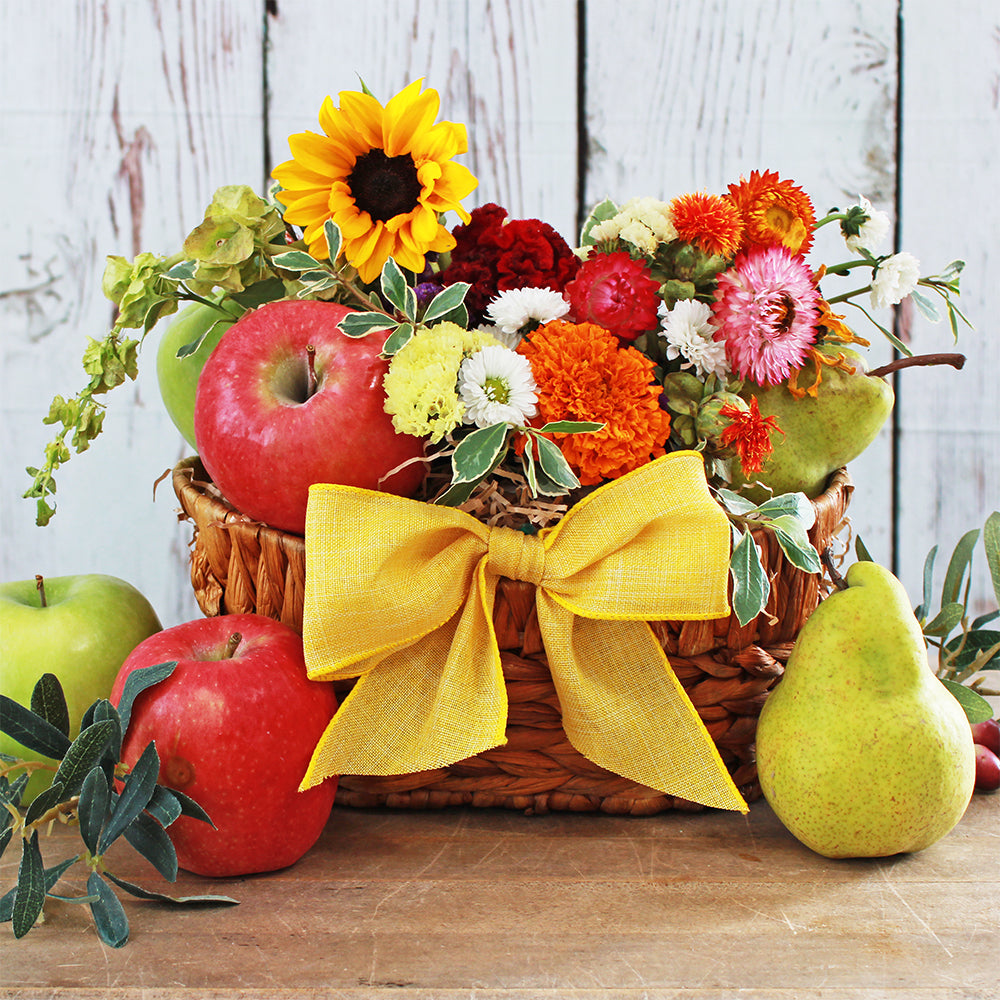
(119, 118)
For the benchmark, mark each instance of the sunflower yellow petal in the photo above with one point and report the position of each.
(318, 154)
(364, 115)
(407, 115)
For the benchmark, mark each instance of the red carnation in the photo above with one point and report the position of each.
(494, 255)
(615, 292)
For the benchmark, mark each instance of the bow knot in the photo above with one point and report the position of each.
(515, 555)
(404, 603)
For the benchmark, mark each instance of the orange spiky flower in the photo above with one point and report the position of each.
(774, 212)
(711, 222)
(749, 434)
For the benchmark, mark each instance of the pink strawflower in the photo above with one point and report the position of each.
(766, 307)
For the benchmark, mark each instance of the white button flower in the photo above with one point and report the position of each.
(515, 308)
(894, 279)
(497, 387)
(689, 333)
(871, 234)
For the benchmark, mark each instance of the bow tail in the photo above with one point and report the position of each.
(411, 715)
(624, 709)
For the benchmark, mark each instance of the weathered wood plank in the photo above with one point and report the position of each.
(485, 900)
(949, 428)
(119, 120)
(507, 70)
(685, 97)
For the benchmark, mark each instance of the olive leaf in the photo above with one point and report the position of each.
(83, 788)
(751, 587)
(48, 701)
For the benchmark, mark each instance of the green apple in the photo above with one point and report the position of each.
(821, 433)
(84, 631)
(178, 377)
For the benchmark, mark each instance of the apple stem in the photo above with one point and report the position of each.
(835, 577)
(311, 360)
(955, 360)
(234, 640)
(40, 587)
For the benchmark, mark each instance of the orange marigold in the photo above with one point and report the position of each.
(774, 212)
(711, 222)
(582, 374)
(749, 434)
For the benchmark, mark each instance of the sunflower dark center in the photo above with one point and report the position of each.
(384, 186)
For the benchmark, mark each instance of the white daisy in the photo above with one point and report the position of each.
(894, 279)
(515, 308)
(496, 386)
(689, 333)
(872, 233)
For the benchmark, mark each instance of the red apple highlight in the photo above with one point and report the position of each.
(270, 420)
(235, 726)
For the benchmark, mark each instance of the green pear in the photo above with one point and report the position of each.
(861, 750)
(820, 434)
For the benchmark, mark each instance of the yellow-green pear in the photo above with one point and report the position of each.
(861, 750)
(821, 433)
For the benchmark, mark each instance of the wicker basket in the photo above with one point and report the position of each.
(239, 565)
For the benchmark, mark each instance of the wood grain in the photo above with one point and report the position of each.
(120, 119)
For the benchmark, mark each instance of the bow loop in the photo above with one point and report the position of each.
(404, 602)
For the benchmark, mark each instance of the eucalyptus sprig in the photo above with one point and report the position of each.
(95, 791)
(789, 517)
(230, 262)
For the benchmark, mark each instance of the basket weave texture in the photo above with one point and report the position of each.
(240, 565)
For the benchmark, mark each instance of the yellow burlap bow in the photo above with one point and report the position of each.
(400, 594)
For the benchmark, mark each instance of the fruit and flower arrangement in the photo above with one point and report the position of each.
(347, 365)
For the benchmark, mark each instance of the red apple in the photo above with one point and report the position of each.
(987, 734)
(987, 769)
(269, 421)
(235, 729)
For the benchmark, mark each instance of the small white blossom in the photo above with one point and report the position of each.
(515, 308)
(639, 235)
(496, 386)
(871, 234)
(689, 333)
(894, 279)
(653, 214)
(609, 229)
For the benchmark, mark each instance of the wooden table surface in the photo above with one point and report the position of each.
(487, 904)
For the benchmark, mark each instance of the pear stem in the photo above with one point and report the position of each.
(40, 587)
(234, 640)
(955, 360)
(835, 577)
(311, 362)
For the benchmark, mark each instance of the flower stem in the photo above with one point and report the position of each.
(844, 296)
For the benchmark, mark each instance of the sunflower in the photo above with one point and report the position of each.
(383, 175)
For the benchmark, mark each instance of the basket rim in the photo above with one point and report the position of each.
(193, 484)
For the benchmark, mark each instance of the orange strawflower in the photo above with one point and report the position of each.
(581, 373)
(749, 434)
(711, 222)
(774, 212)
